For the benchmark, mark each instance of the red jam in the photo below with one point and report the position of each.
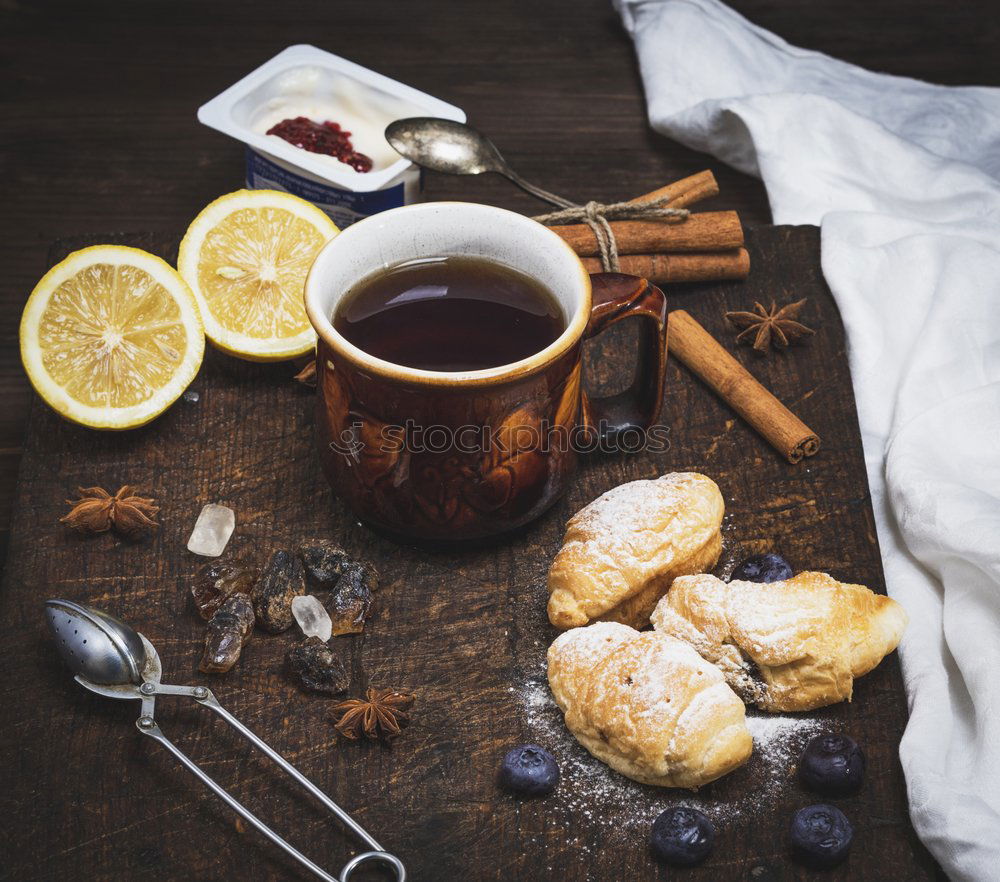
(327, 138)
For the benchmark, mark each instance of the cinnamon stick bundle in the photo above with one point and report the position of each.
(662, 268)
(705, 357)
(707, 246)
(706, 231)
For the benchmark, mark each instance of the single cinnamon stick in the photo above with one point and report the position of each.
(707, 231)
(663, 268)
(685, 192)
(705, 357)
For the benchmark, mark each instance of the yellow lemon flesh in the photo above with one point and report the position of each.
(246, 257)
(111, 336)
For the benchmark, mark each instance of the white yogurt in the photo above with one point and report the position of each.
(310, 92)
(306, 81)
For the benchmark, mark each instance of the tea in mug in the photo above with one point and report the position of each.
(450, 314)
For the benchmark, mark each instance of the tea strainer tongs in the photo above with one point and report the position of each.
(112, 659)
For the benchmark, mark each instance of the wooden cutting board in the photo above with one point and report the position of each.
(87, 798)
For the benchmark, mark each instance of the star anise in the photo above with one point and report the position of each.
(776, 326)
(381, 714)
(96, 511)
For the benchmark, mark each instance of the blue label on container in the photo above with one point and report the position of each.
(344, 206)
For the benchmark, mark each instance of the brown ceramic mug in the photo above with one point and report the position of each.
(450, 455)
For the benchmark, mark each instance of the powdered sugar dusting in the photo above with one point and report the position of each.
(622, 808)
(587, 788)
(778, 742)
(576, 653)
(788, 629)
(772, 733)
(630, 506)
(675, 509)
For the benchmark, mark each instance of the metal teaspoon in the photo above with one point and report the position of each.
(457, 149)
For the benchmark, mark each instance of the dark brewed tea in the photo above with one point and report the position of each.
(449, 314)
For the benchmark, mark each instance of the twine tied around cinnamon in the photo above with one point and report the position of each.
(597, 215)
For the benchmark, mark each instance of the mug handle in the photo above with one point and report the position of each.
(618, 296)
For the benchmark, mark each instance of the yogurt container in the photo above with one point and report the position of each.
(306, 81)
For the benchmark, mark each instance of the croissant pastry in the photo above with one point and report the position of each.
(621, 552)
(648, 705)
(785, 646)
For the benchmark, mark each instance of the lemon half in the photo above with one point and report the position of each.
(246, 257)
(111, 336)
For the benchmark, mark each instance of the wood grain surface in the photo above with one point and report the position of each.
(98, 101)
(85, 797)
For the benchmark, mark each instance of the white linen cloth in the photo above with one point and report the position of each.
(902, 176)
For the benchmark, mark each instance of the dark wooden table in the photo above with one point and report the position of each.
(98, 99)
(465, 631)
(98, 132)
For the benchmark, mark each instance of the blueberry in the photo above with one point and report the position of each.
(769, 567)
(833, 765)
(529, 770)
(821, 836)
(682, 836)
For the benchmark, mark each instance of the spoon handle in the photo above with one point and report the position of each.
(528, 187)
(148, 726)
(211, 702)
(153, 731)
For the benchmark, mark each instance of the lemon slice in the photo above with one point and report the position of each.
(246, 257)
(111, 337)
